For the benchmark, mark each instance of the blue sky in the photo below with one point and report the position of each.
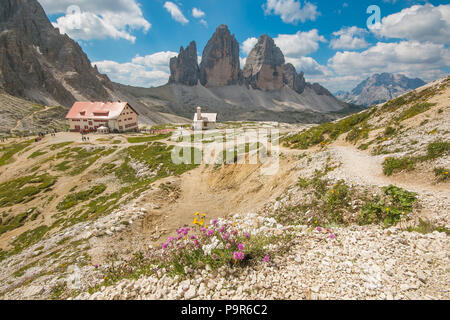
(133, 40)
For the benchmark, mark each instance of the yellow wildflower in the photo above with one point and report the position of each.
(315, 222)
(197, 213)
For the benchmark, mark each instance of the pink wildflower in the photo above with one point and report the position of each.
(332, 236)
(203, 229)
(210, 233)
(222, 229)
(266, 258)
(318, 229)
(238, 256)
(241, 247)
(165, 245)
(214, 222)
(247, 235)
(228, 246)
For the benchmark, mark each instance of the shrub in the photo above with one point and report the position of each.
(441, 174)
(425, 227)
(390, 211)
(60, 145)
(72, 200)
(23, 189)
(8, 152)
(415, 110)
(389, 131)
(14, 222)
(437, 149)
(392, 165)
(36, 154)
(148, 138)
(317, 135)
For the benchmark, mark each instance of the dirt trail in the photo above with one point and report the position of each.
(360, 167)
(28, 117)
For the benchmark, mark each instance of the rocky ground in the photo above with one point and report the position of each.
(359, 263)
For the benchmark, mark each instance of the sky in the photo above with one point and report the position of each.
(335, 43)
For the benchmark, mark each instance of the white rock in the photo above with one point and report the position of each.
(190, 293)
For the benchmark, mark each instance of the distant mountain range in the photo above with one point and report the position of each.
(380, 88)
(39, 64)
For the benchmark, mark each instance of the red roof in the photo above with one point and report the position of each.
(97, 110)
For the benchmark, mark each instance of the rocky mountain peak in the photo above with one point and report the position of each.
(184, 68)
(40, 64)
(220, 64)
(379, 88)
(264, 66)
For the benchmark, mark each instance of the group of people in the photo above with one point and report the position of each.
(83, 138)
(3, 139)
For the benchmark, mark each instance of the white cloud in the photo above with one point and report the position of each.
(309, 66)
(142, 71)
(158, 61)
(98, 19)
(349, 38)
(411, 58)
(175, 12)
(248, 45)
(204, 22)
(300, 43)
(419, 22)
(198, 13)
(132, 74)
(291, 11)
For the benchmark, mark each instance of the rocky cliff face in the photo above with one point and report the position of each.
(380, 88)
(293, 80)
(40, 64)
(184, 68)
(220, 64)
(264, 67)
